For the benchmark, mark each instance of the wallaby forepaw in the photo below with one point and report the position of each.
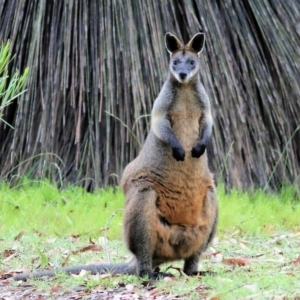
(198, 150)
(178, 153)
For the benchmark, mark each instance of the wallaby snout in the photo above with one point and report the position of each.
(182, 75)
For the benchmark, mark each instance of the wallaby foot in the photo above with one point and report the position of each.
(191, 264)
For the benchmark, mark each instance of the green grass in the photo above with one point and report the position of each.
(260, 227)
(41, 206)
(259, 212)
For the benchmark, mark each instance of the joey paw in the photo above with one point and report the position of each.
(178, 153)
(198, 150)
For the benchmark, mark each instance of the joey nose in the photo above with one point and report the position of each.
(182, 75)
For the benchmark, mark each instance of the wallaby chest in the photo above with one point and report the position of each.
(185, 114)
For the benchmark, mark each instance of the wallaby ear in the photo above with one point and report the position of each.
(197, 42)
(172, 43)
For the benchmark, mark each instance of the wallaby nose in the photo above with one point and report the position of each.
(182, 75)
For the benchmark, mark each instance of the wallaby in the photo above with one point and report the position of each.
(171, 208)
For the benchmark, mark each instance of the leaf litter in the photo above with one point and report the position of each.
(236, 266)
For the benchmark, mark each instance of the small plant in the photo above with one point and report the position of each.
(10, 86)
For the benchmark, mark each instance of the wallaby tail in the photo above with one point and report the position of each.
(113, 268)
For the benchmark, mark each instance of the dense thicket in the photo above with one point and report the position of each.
(96, 67)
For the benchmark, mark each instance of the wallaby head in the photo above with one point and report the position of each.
(184, 62)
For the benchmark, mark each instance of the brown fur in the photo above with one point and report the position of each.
(171, 208)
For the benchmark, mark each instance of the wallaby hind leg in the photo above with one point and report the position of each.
(191, 263)
(139, 227)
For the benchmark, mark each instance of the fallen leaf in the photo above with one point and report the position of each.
(296, 261)
(19, 236)
(235, 261)
(5, 282)
(85, 292)
(8, 252)
(216, 257)
(55, 289)
(293, 262)
(88, 248)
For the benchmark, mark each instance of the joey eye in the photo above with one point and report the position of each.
(192, 62)
(175, 62)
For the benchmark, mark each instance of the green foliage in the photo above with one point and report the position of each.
(10, 86)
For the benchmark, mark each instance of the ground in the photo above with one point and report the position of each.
(235, 267)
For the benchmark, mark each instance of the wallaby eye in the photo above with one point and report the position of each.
(175, 62)
(192, 62)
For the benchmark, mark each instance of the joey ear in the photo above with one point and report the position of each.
(172, 43)
(197, 42)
